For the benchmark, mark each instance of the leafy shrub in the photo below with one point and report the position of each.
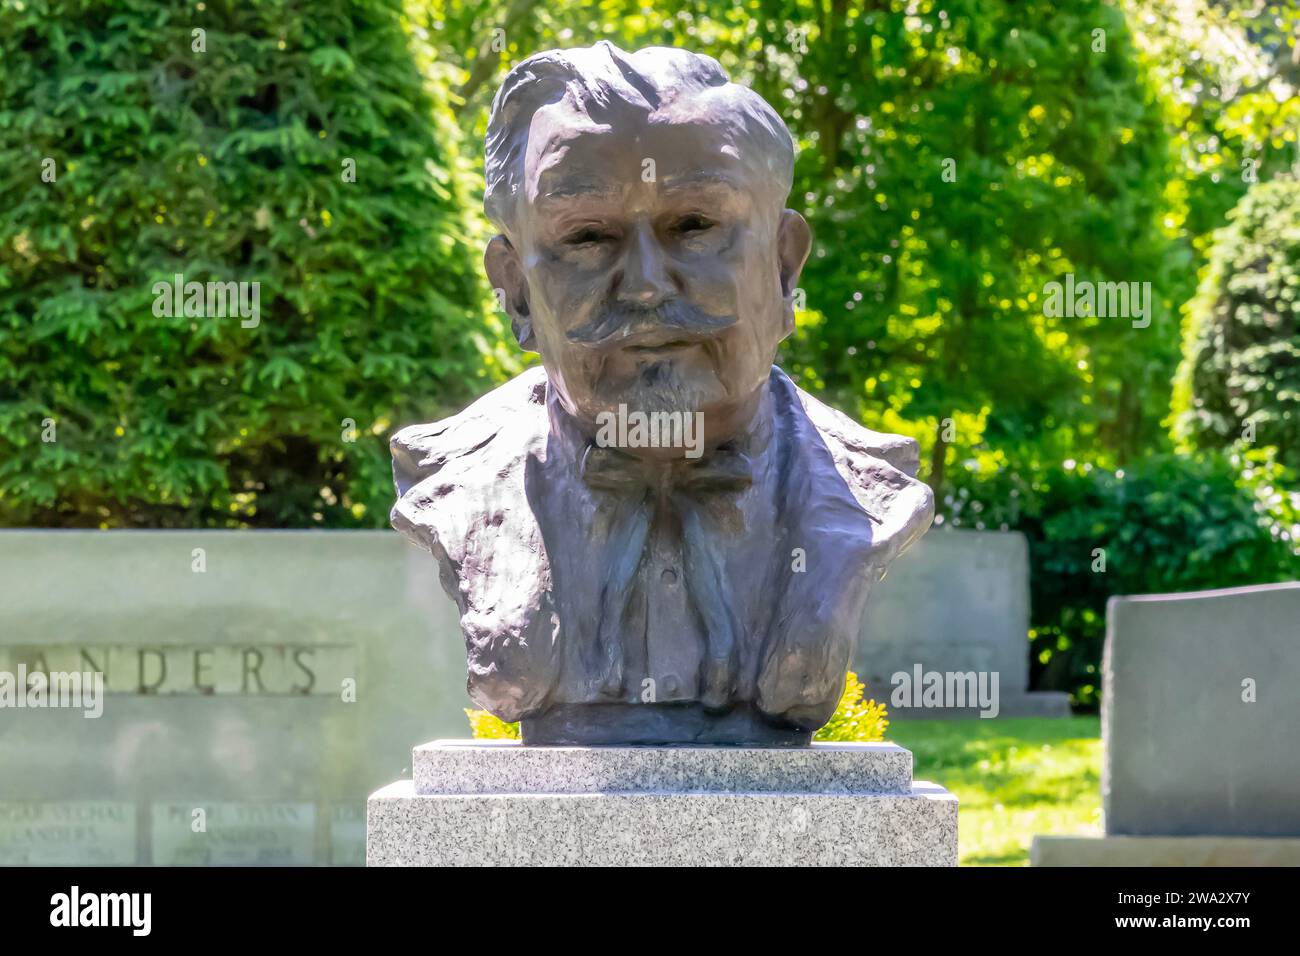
(488, 726)
(854, 719)
(1241, 366)
(228, 164)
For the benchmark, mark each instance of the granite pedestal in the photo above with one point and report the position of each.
(484, 803)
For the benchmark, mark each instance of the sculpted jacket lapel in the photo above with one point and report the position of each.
(463, 496)
(594, 548)
(851, 506)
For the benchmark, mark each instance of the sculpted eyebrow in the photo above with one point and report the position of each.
(577, 189)
(701, 180)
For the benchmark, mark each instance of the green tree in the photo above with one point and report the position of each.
(1229, 71)
(308, 149)
(1240, 378)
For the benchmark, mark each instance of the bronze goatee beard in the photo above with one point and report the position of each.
(658, 386)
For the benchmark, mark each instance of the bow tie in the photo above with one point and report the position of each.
(726, 469)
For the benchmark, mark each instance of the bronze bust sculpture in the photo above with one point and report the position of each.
(655, 537)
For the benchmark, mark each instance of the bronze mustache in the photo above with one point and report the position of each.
(670, 321)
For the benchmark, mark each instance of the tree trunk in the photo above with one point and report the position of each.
(938, 457)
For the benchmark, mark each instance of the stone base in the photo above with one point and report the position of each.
(485, 803)
(1036, 703)
(1164, 851)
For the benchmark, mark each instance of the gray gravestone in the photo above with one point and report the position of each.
(1199, 721)
(958, 601)
(1187, 751)
(224, 672)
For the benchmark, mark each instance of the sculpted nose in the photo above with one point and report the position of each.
(644, 279)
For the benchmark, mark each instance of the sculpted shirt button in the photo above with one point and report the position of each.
(669, 577)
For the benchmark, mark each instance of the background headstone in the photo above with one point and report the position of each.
(248, 722)
(1199, 717)
(1186, 753)
(67, 833)
(957, 601)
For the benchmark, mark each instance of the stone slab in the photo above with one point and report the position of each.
(1186, 751)
(233, 834)
(225, 656)
(1164, 851)
(1047, 703)
(71, 833)
(662, 829)
(957, 601)
(458, 767)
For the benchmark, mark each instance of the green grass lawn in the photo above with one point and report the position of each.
(1015, 778)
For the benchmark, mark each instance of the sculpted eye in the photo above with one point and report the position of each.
(692, 224)
(584, 236)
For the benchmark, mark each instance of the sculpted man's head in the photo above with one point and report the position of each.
(645, 251)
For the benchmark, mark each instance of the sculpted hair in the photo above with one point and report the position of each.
(595, 81)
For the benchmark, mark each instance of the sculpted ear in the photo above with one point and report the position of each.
(793, 243)
(506, 274)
